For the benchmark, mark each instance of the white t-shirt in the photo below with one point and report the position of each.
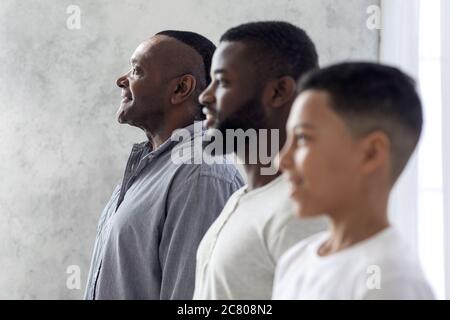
(381, 267)
(237, 256)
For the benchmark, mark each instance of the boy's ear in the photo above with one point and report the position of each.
(183, 88)
(282, 91)
(375, 151)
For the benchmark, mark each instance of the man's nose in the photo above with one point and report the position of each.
(207, 96)
(122, 82)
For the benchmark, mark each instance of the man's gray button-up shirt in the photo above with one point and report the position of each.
(149, 231)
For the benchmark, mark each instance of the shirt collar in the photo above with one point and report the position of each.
(195, 130)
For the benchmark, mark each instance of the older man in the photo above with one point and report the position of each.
(149, 231)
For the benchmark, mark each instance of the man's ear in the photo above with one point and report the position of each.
(183, 88)
(283, 90)
(376, 152)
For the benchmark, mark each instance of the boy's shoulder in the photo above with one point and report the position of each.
(302, 250)
(387, 248)
(395, 267)
(394, 256)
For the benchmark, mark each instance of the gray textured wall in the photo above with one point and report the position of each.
(61, 149)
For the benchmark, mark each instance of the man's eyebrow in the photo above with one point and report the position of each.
(133, 61)
(217, 71)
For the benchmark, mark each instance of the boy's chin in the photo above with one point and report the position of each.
(305, 213)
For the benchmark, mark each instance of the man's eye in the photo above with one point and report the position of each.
(222, 82)
(134, 70)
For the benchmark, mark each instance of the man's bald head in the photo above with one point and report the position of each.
(200, 44)
(178, 53)
(172, 57)
(169, 69)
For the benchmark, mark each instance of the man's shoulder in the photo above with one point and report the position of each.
(224, 170)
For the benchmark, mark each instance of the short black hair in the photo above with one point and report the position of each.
(280, 47)
(204, 47)
(370, 97)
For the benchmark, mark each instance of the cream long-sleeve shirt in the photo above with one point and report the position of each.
(236, 258)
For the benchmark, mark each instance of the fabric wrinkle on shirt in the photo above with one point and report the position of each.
(149, 231)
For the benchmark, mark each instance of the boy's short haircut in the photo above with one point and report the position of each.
(372, 97)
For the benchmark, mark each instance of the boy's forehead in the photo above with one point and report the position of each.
(302, 108)
(311, 107)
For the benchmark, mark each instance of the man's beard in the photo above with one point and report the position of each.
(249, 116)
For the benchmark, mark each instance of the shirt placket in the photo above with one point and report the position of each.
(219, 230)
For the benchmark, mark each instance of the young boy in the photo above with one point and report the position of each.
(351, 132)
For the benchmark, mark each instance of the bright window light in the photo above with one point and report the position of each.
(431, 216)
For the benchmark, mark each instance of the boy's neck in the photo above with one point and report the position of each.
(353, 226)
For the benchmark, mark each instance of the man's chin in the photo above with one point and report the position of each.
(121, 118)
(123, 115)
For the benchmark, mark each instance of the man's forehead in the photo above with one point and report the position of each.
(147, 48)
(161, 49)
(230, 54)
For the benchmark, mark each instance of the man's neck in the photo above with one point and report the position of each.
(158, 136)
(156, 139)
(254, 177)
(257, 177)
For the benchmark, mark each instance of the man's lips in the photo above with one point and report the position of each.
(210, 117)
(125, 96)
(124, 103)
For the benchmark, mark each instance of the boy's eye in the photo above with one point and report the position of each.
(301, 138)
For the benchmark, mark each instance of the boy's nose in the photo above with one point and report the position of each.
(284, 159)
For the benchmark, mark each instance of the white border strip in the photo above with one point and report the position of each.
(445, 63)
(400, 47)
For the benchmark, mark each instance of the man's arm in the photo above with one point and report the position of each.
(191, 208)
